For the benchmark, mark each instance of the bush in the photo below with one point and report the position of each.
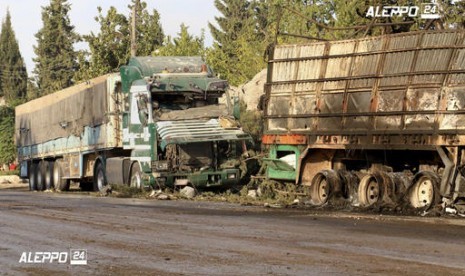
(7, 131)
(15, 172)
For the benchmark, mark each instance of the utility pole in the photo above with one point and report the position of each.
(135, 8)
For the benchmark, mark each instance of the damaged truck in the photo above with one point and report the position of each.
(157, 123)
(375, 121)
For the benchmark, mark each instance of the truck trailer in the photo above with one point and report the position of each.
(156, 123)
(373, 121)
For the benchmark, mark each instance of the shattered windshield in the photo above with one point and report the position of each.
(165, 65)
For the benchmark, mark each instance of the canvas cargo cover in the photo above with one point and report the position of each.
(63, 113)
(402, 83)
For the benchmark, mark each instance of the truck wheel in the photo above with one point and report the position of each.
(424, 192)
(136, 177)
(33, 177)
(48, 177)
(41, 175)
(369, 191)
(99, 178)
(59, 183)
(325, 184)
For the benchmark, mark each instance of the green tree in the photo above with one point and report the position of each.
(13, 80)
(184, 44)
(237, 51)
(149, 33)
(110, 47)
(56, 57)
(7, 125)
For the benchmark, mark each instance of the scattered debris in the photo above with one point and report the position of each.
(188, 192)
(106, 190)
(252, 194)
(451, 211)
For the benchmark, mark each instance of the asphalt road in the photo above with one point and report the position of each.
(142, 237)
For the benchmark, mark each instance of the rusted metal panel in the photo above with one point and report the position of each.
(401, 84)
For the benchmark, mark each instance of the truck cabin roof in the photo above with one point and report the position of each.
(149, 66)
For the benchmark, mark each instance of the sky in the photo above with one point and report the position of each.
(26, 18)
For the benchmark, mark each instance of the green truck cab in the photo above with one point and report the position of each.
(157, 123)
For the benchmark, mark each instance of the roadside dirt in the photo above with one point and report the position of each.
(180, 237)
(12, 182)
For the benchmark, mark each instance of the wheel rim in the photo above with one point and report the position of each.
(320, 190)
(422, 194)
(323, 190)
(369, 191)
(372, 192)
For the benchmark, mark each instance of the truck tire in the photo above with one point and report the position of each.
(135, 181)
(41, 175)
(33, 177)
(59, 183)
(100, 180)
(48, 175)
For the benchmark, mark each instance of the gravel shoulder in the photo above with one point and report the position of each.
(184, 237)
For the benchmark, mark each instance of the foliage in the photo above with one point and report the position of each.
(32, 89)
(237, 51)
(184, 44)
(149, 33)
(7, 126)
(14, 172)
(110, 48)
(13, 78)
(56, 58)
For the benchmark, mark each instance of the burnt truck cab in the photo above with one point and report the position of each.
(174, 127)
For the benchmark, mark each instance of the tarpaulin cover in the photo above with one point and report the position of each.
(63, 113)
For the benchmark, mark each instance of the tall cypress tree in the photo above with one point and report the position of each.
(13, 81)
(56, 58)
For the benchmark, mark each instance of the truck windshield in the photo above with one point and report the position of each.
(176, 65)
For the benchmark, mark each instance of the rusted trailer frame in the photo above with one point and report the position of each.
(395, 95)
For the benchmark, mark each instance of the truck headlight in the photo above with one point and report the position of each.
(231, 176)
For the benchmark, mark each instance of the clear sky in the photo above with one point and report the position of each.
(26, 18)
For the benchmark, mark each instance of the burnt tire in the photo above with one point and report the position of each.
(59, 183)
(325, 184)
(100, 180)
(33, 177)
